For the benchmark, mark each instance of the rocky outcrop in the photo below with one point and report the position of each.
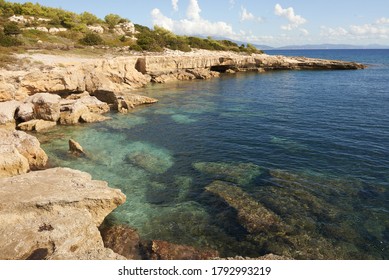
(55, 214)
(7, 112)
(45, 106)
(36, 125)
(75, 148)
(19, 153)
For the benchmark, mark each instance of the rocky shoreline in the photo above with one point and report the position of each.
(56, 213)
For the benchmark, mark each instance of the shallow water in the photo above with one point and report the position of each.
(310, 146)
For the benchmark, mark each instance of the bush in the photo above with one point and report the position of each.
(11, 28)
(92, 39)
(8, 41)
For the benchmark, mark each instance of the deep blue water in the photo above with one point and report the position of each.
(319, 138)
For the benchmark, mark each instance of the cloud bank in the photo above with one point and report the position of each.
(193, 24)
(288, 13)
(175, 5)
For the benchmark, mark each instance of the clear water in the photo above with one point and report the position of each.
(310, 146)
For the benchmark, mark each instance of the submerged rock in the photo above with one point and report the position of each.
(54, 214)
(239, 173)
(152, 159)
(255, 217)
(163, 250)
(123, 240)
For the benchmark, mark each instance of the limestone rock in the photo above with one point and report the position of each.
(94, 105)
(46, 106)
(54, 214)
(71, 111)
(75, 148)
(129, 101)
(122, 240)
(27, 145)
(92, 118)
(12, 162)
(25, 112)
(7, 111)
(36, 125)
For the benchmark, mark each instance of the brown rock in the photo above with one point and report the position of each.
(251, 214)
(36, 125)
(7, 111)
(75, 148)
(46, 106)
(92, 118)
(122, 240)
(12, 162)
(163, 250)
(71, 111)
(54, 214)
(27, 145)
(25, 112)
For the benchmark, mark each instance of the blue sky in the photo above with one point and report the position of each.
(274, 23)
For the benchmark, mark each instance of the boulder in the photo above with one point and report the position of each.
(75, 148)
(36, 125)
(25, 112)
(12, 162)
(27, 145)
(94, 105)
(46, 106)
(71, 111)
(55, 214)
(7, 111)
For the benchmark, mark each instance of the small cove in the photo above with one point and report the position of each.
(311, 146)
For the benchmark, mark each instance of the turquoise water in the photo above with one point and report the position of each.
(310, 146)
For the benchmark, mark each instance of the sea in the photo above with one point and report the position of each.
(294, 163)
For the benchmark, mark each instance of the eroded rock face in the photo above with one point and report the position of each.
(54, 214)
(46, 106)
(7, 111)
(19, 153)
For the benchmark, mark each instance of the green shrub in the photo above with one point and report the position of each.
(8, 41)
(92, 39)
(11, 28)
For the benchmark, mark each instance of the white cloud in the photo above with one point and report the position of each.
(194, 24)
(382, 21)
(247, 16)
(377, 30)
(193, 11)
(288, 13)
(175, 5)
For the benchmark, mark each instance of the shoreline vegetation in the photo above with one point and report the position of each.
(60, 68)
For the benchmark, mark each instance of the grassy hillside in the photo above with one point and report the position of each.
(35, 29)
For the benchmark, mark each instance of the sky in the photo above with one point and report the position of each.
(265, 22)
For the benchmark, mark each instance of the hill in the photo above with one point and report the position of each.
(35, 26)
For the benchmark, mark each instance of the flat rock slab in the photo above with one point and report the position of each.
(55, 214)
